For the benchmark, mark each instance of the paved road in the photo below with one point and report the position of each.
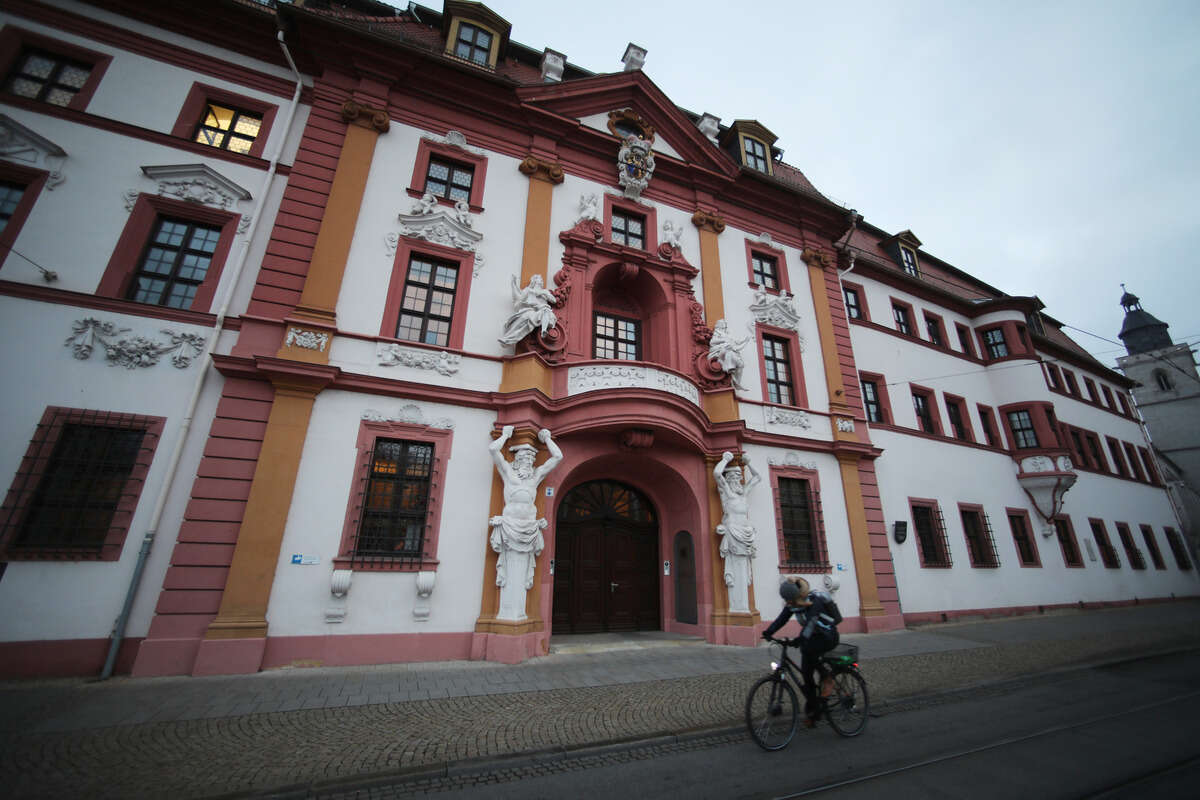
(322, 728)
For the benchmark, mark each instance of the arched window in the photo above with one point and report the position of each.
(1163, 380)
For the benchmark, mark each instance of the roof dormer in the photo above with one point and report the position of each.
(903, 247)
(751, 145)
(474, 33)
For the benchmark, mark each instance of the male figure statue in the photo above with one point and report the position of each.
(517, 532)
(738, 546)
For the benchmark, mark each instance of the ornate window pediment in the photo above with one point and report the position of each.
(195, 183)
(21, 145)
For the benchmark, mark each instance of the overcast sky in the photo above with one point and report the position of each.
(1046, 148)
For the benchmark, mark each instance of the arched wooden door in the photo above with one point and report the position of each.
(605, 560)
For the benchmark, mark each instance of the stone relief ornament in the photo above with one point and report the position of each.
(777, 310)
(671, 233)
(309, 340)
(425, 582)
(635, 166)
(195, 183)
(20, 144)
(410, 414)
(765, 238)
(431, 222)
(454, 139)
(531, 310)
(517, 531)
(726, 350)
(393, 355)
(845, 425)
(589, 207)
(791, 459)
(783, 416)
(131, 352)
(738, 537)
(596, 376)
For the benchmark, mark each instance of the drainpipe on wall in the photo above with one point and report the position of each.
(845, 247)
(118, 632)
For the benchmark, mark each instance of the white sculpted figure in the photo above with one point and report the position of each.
(727, 351)
(738, 545)
(425, 205)
(671, 233)
(531, 309)
(589, 206)
(517, 532)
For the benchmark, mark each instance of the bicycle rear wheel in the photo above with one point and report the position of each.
(772, 712)
(849, 705)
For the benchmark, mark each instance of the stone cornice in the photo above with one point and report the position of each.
(542, 170)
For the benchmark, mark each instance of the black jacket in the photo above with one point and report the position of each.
(821, 618)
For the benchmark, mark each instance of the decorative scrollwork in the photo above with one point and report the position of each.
(131, 352)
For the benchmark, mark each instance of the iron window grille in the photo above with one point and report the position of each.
(1177, 549)
(449, 180)
(778, 369)
(395, 503)
(76, 490)
(474, 44)
(427, 308)
(628, 230)
(993, 339)
(924, 415)
(930, 528)
(871, 402)
(756, 154)
(802, 526)
(1066, 541)
(10, 197)
(1026, 549)
(853, 309)
(617, 337)
(48, 78)
(765, 271)
(981, 544)
(900, 314)
(1107, 554)
(1131, 551)
(174, 263)
(1152, 546)
(228, 128)
(1022, 428)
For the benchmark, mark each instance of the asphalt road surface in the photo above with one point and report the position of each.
(1129, 730)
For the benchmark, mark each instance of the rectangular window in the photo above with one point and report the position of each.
(909, 261)
(1067, 542)
(1177, 549)
(778, 370)
(1114, 450)
(978, 531)
(799, 510)
(228, 128)
(617, 337)
(933, 326)
(764, 271)
(449, 180)
(989, 426)
(903, 324)
(1027, 552)
(1107, 554)
(1148, 464)
(428, 304)
(1023, 432)
(1108, 396)
(76, 490)
(853, 309)
(1072, 384)
(46, 77)
(964, 339)
(921, 405)
(1135, 466)
(1077, 445)
(956, 413)
(628, 229)
(1096, 451)
(871, 403)
(1152, 547)
(1131, 551)
(473, 44)
(396, 500)
(756, 154)
(994, 342)
(1125, 409)
(10, 198)
(175, 262)
(1053, 377)
(1090, 387)
(930, 530)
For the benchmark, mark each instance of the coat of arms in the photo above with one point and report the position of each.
(635, 166)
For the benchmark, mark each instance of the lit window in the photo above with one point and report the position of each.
(628, 229)
(994, 340)
(43, 76)
(228, 128)
(175, 262)
(617, 338)
(853, 309)
(900, 314)
(10, 198)
(931, 535)
(1022, 429)
(777, 367)
(756, 154)
(871, 404)
(909, 260)
(449, 180)
(474, 44)
(396, 500)
(428, 305)
(764, 270)
(980, 544)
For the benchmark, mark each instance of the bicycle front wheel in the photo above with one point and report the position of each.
(849, 705)
(772, 712)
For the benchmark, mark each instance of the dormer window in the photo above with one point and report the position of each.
(474, 33)
(750, 144)
(908, 259)
(755, 154)
(473, 44)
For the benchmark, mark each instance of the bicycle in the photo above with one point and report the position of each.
(773, 711)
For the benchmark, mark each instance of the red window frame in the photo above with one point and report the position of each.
(909, 318)
(1135, 466)
(861, 294)
(989, 347)
(1070, 384)
(885, 405)
(147, 209)
(821, 564)
(1021, 516)
(991, 434)
(1109, 402)
(1152, 547)
(34, 468)
(1064, 531)
(935, 322)
(33, 181)
(14, 40)
(1100, 534)
(960, 404)
(935, 417)
(648, 213)
(442, 440)
(1148, 463)
(1131, 552)
(1053, 376)
(1096, 452)
(1089, 386)
(1126, 410)
(940, 542)
(792, 344)
(965, 340)
(1118, 457)
(197, 100)
(989, 559)
(427, 149)
(465, 262)
(754, 248)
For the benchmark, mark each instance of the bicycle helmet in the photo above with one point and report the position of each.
(789, 591)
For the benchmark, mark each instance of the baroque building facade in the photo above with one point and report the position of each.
(377, 336)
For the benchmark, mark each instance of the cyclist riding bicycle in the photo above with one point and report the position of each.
(818, 616)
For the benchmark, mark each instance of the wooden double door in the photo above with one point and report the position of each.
(606, 559)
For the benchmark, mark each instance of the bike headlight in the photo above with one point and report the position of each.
(774, 665)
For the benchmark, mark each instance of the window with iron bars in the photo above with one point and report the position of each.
(1066, 541)
(801, 525)
(1177, 549)
(1107, 554)
(930, 528)
(1152, 546)
(1131, 551)
(981, 545)
(395, 501)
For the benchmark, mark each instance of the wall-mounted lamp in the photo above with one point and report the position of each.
(900, 531)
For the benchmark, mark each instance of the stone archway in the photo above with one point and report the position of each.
(606, 557)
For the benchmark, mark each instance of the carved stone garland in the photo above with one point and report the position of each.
(131, 352)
